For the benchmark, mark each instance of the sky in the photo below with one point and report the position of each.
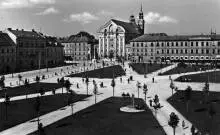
(67, 17)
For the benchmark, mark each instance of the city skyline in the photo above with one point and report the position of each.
(63, 18)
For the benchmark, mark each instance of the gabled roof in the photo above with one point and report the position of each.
(164, 37)
(23, 33)
(5, 40)
(129, 27)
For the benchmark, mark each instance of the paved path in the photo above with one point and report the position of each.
(160, 87)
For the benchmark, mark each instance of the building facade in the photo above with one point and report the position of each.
(80, 47)
(30, 49)
(116, 34)
(35, 50)
(161, 47)
(7, 54)
(54, 52)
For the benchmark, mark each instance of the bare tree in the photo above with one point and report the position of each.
(145, 89)
(173, 121)
(113, 86)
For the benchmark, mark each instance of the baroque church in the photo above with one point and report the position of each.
(116, 34)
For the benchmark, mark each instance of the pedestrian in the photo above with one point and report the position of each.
(150, 101)
(128, 80)
(183, 124)
(83, 80)
(121, 80)
(153, 79)
(170, 78)
(77, 85)
(193, 130)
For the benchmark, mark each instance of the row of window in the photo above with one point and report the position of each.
(7, 60)
(181, 51)
(7, 50)
(74, 45)
(172, 44)
(31, 44)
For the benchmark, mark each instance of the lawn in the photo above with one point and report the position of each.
(185, 69)
(31, 89)
(106, 72)
(23, 110)
(198, 111)
(213, 77)
(142, 68)
(105, 118)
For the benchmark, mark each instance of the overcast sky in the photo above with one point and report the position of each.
(66, 17)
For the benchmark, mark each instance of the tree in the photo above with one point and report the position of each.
(145, 89)
(70, 101)
(2, 82)
(206, 91)
(156, 103)
(172, 86)
(138, 87)
(188, 94)
(26, 84)
(62, 82)
(67, 85)
(173, 121)
(95, 91)
(87, 85)
(113, 86)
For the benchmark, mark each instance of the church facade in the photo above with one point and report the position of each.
(116, 34)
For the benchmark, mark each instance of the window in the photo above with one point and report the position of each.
(186, 51)
(172, 51)
(181, 43)
(168, 51)
(157, 44)
(197, 51)
(172, 44)
(162, 44)
(202, 51)
(177, 44)
(207, 43)
(3, 51)
(197, 44)
(185, 43)
(168, 44)
(207, 51)
(213, 51)
(137, 45)
(191, 43)
(192, 51)
(218, 43)
(202, 43)
(152, 44)
(142, 44)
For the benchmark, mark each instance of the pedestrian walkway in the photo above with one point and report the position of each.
(160, 87)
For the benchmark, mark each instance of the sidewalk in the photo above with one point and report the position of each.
(162, 89)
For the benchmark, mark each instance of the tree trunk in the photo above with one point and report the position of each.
(6, 111)
(87, 89)
(145, 96)
(113, 91)
(95, 98)
(172, 92)
(174, 131)
(72, 108)
(187, 106)
(62, 90)
(138, 92)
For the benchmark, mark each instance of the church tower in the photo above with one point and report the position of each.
(141, 21)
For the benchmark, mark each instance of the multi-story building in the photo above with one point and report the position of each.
(116, 34)
(161, 47)
(7, 54)
(80, 47)
(54, 53)
(30, 48)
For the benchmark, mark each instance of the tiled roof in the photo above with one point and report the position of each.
(23, 33)
(164, 37)
(5, 40)
(129, 27)
(74, 39)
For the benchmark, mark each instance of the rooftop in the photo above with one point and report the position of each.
(23, 33)
(5, 40)
(164, 37)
